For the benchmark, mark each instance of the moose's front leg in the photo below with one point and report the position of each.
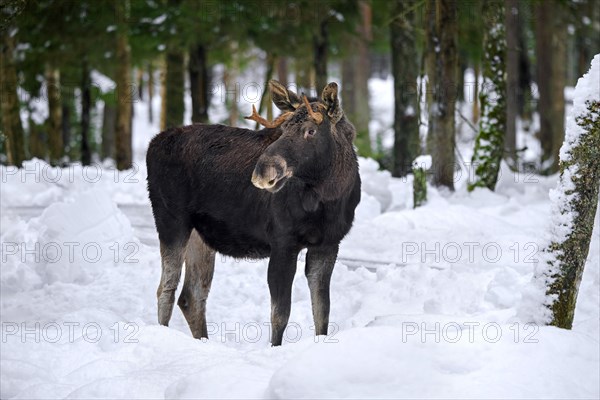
(282, 268)
(319, 267)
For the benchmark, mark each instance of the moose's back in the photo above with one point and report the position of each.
(200, 176)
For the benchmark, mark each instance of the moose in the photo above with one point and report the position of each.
(290, 186)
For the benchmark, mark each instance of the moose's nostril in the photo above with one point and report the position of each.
(271, 182)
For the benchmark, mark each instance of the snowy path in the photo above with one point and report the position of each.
(445, 325)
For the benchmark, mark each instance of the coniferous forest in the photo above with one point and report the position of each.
(57, 54)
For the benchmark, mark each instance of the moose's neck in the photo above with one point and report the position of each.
(342, 175)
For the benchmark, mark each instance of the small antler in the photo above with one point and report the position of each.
(317, 116)
(265, 122)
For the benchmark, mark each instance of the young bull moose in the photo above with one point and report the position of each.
(248, 194)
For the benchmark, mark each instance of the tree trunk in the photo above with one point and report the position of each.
(65, 124)
(139, 79)
(150, 92)
(476, 72)
(37, 141)
(462, 67)
(489, 143)
(524, 93)
(442, 32)
(320, 45)
(348, 73)
(511, 18)
(348, 88)
(198, 71)
(559, 81)
(124, 101)
(550, 82)
(574, 204)
(86, 100)
(109, 119)
(362, 113)
(264, 100)
(405, 70)
(53, 126)
(302, 69)
(355, 95)
(163, 97)
(232, 86)
(587, 41)
(282, 71)
(356, 70)
(430, 66)
(175, 88)
(9, 102)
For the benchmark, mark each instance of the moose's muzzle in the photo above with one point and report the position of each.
(271, 173)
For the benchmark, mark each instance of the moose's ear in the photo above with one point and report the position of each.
(331, 101)
(284, 99)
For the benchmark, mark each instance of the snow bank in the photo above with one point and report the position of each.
(465, 360)
(379, 346)
(374, 182)
(40, 184)
(72, 241)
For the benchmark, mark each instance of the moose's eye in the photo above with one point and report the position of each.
(309, 133)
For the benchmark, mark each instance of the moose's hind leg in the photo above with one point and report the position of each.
(199, 268)
(171, 262)
(173, 234)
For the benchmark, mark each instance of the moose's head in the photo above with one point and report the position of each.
(314, 132)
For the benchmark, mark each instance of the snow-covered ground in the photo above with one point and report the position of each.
(434, 312)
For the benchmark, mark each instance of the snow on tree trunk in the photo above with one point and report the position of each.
(489, 144)
(420, 166)
(574, 203)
